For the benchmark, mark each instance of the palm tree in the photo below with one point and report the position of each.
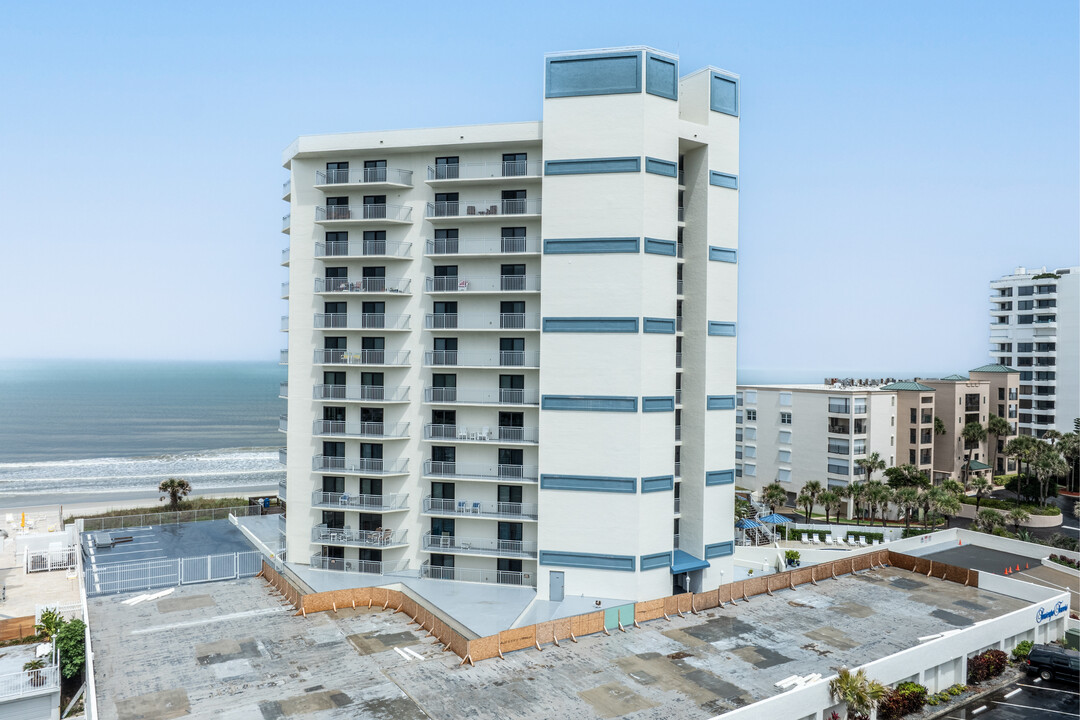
(1024, 448)
(871, 464)
(998, 427)
(973, 434)
(1048, 466)
(774, 495)
(1070, 450)
(988, 520)
(814, 490)
(948, 505)
(857, 493)
(908, 499)
(906, 476)
(806, 501)
(939, 427)
(878, 495)
(176, 488)
(1017, 517)
(830, 500)
(980, 485)
(859, 693)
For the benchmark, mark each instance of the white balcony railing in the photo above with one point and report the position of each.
(361, 393)
(380, 211)
(360, 321)
(281, 488)
(483, 246)
(286, 221)
(479, 545)
(482, 208)
(286, 188)
(501, 358)
(480, 508)
(359, 538)
(29, 682)
(470, 396)
(362, 285)
(283, 423)
(361, 357)
(284, 290)
(282, 456)
(375, 466)
(492, 471)
(285, 256)
(360, 429)
(375, 175)
(483, 171)
(505, 434)
(366, 503)
(362, 248)
(370, 567)
(501, 283)
(482, 321)
(677, 510)
(477, 575)
(283, 390)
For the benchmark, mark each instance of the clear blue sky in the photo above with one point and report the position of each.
(895, 158)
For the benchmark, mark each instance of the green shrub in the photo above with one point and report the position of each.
(71, 642)
(1021, 650)
(791, 556)
(932, 701)
(1007, 505)
(987, 665)
(906, 698)
(915, 532)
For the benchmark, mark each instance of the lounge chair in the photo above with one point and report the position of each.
(862, 541)
(805, 538)
(814, 539)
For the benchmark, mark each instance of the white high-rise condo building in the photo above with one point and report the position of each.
(512, 346)
(1035, 328)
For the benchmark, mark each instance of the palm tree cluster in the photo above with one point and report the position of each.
(1048, 459)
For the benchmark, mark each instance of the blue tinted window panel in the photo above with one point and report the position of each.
(658, 560)
(590, 403)
(720, 549)
(660, 247)
(720, 402)
(723, 180)
(664, 326)
(596, 74)
(661, 167)
(624, 563)
(658, 404)
(722, 329)
(589, 166)
(659, 483)
(589, 483)
(661, 76)
(724, 94)
(720, 477)
(590, 246)
(722, 254)
(591, 324)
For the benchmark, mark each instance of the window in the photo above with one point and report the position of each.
(446, 204)
(374, 206)
(839, 446)
(1025, 290)
(750, 451)
(785, 436)
(738, 399)
(1025, 319)
(1025, 305)
(751, 415)
(446, 242)
(785, 399)
(738, 434)
(839, 406)
(751, 433)
(911, 457)
(860, 406)
(446, 168)
(738, 469)
(838, 467)
(783, 475)
(512, 277)
(514, 202)
(374, 171)
(514, 164)
(785, 418)
(750, 470)
(859, 447)
(1024, 347)
(738, 417)
(751, 397)
(784, 456)
(513, 240)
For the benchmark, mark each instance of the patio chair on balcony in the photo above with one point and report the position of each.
(485, 433)
(387, 536)
(476, 508)
(462, 506)
(344, 499)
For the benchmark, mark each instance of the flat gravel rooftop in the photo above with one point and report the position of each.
(232, 650)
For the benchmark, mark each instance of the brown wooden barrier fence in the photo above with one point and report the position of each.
(15, 628)
(472, 649)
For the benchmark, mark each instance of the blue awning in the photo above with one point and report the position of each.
(744, 523)
(685, 562)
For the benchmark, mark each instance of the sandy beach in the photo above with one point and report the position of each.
(89, 503)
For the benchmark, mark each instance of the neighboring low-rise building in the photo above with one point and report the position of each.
(914, 424)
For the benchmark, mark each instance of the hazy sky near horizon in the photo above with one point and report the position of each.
(895, 157)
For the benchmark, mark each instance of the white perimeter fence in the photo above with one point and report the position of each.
(149, 574)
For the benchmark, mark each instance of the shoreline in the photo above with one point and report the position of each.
(88, 503)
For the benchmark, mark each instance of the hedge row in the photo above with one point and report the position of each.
(995, 503)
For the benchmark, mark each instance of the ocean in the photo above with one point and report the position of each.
(87, 428)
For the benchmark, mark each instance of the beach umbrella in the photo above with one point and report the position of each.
(775, 519)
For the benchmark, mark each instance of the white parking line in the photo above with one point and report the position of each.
(219, 618)
(1031, 707)
(1050, 689)
(1009, 695)
(979, 709)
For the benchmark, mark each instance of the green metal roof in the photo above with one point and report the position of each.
(976, 465)
(907, 386)
(995, 368)
(954, 376)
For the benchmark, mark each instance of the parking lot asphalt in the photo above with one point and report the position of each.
(161, 542)
(1023, 699)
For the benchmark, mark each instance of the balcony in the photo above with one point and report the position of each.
(675, 536)
(282, 456)
(284, 291)
(678, 396)
(363, 248)
(286, 222)
(678, 469)
(380, 213)
(477, 575)
(281, 522)
(283, 357)
(24, 684)
(483, 246)
(281, 488)
(482, 321)
(286, 190)
(501, 358)
(285, 257)
(363, 177)
(283, 390)
(677, 506)
(480, 471)
(469, 396)
(972, 407)
(284, 323)
(377, 430)
(482, 172)
(381, 285)
(500, 434)
(283, 423)
(479, 546)
(678, 359)
(362, 393)
(682, 214)
(362, 357)
(839, 428)
(357, 538)
(499, 284)
(367, 567)
(474, 210)
(361, 466)
(678, 433)
(480, 508)
(360, 321)
(363, 503)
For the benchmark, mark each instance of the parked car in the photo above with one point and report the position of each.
(1054, 662)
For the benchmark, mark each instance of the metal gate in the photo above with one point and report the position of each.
(150, 574)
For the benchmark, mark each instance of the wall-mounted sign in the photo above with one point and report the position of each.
(1060, 608)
